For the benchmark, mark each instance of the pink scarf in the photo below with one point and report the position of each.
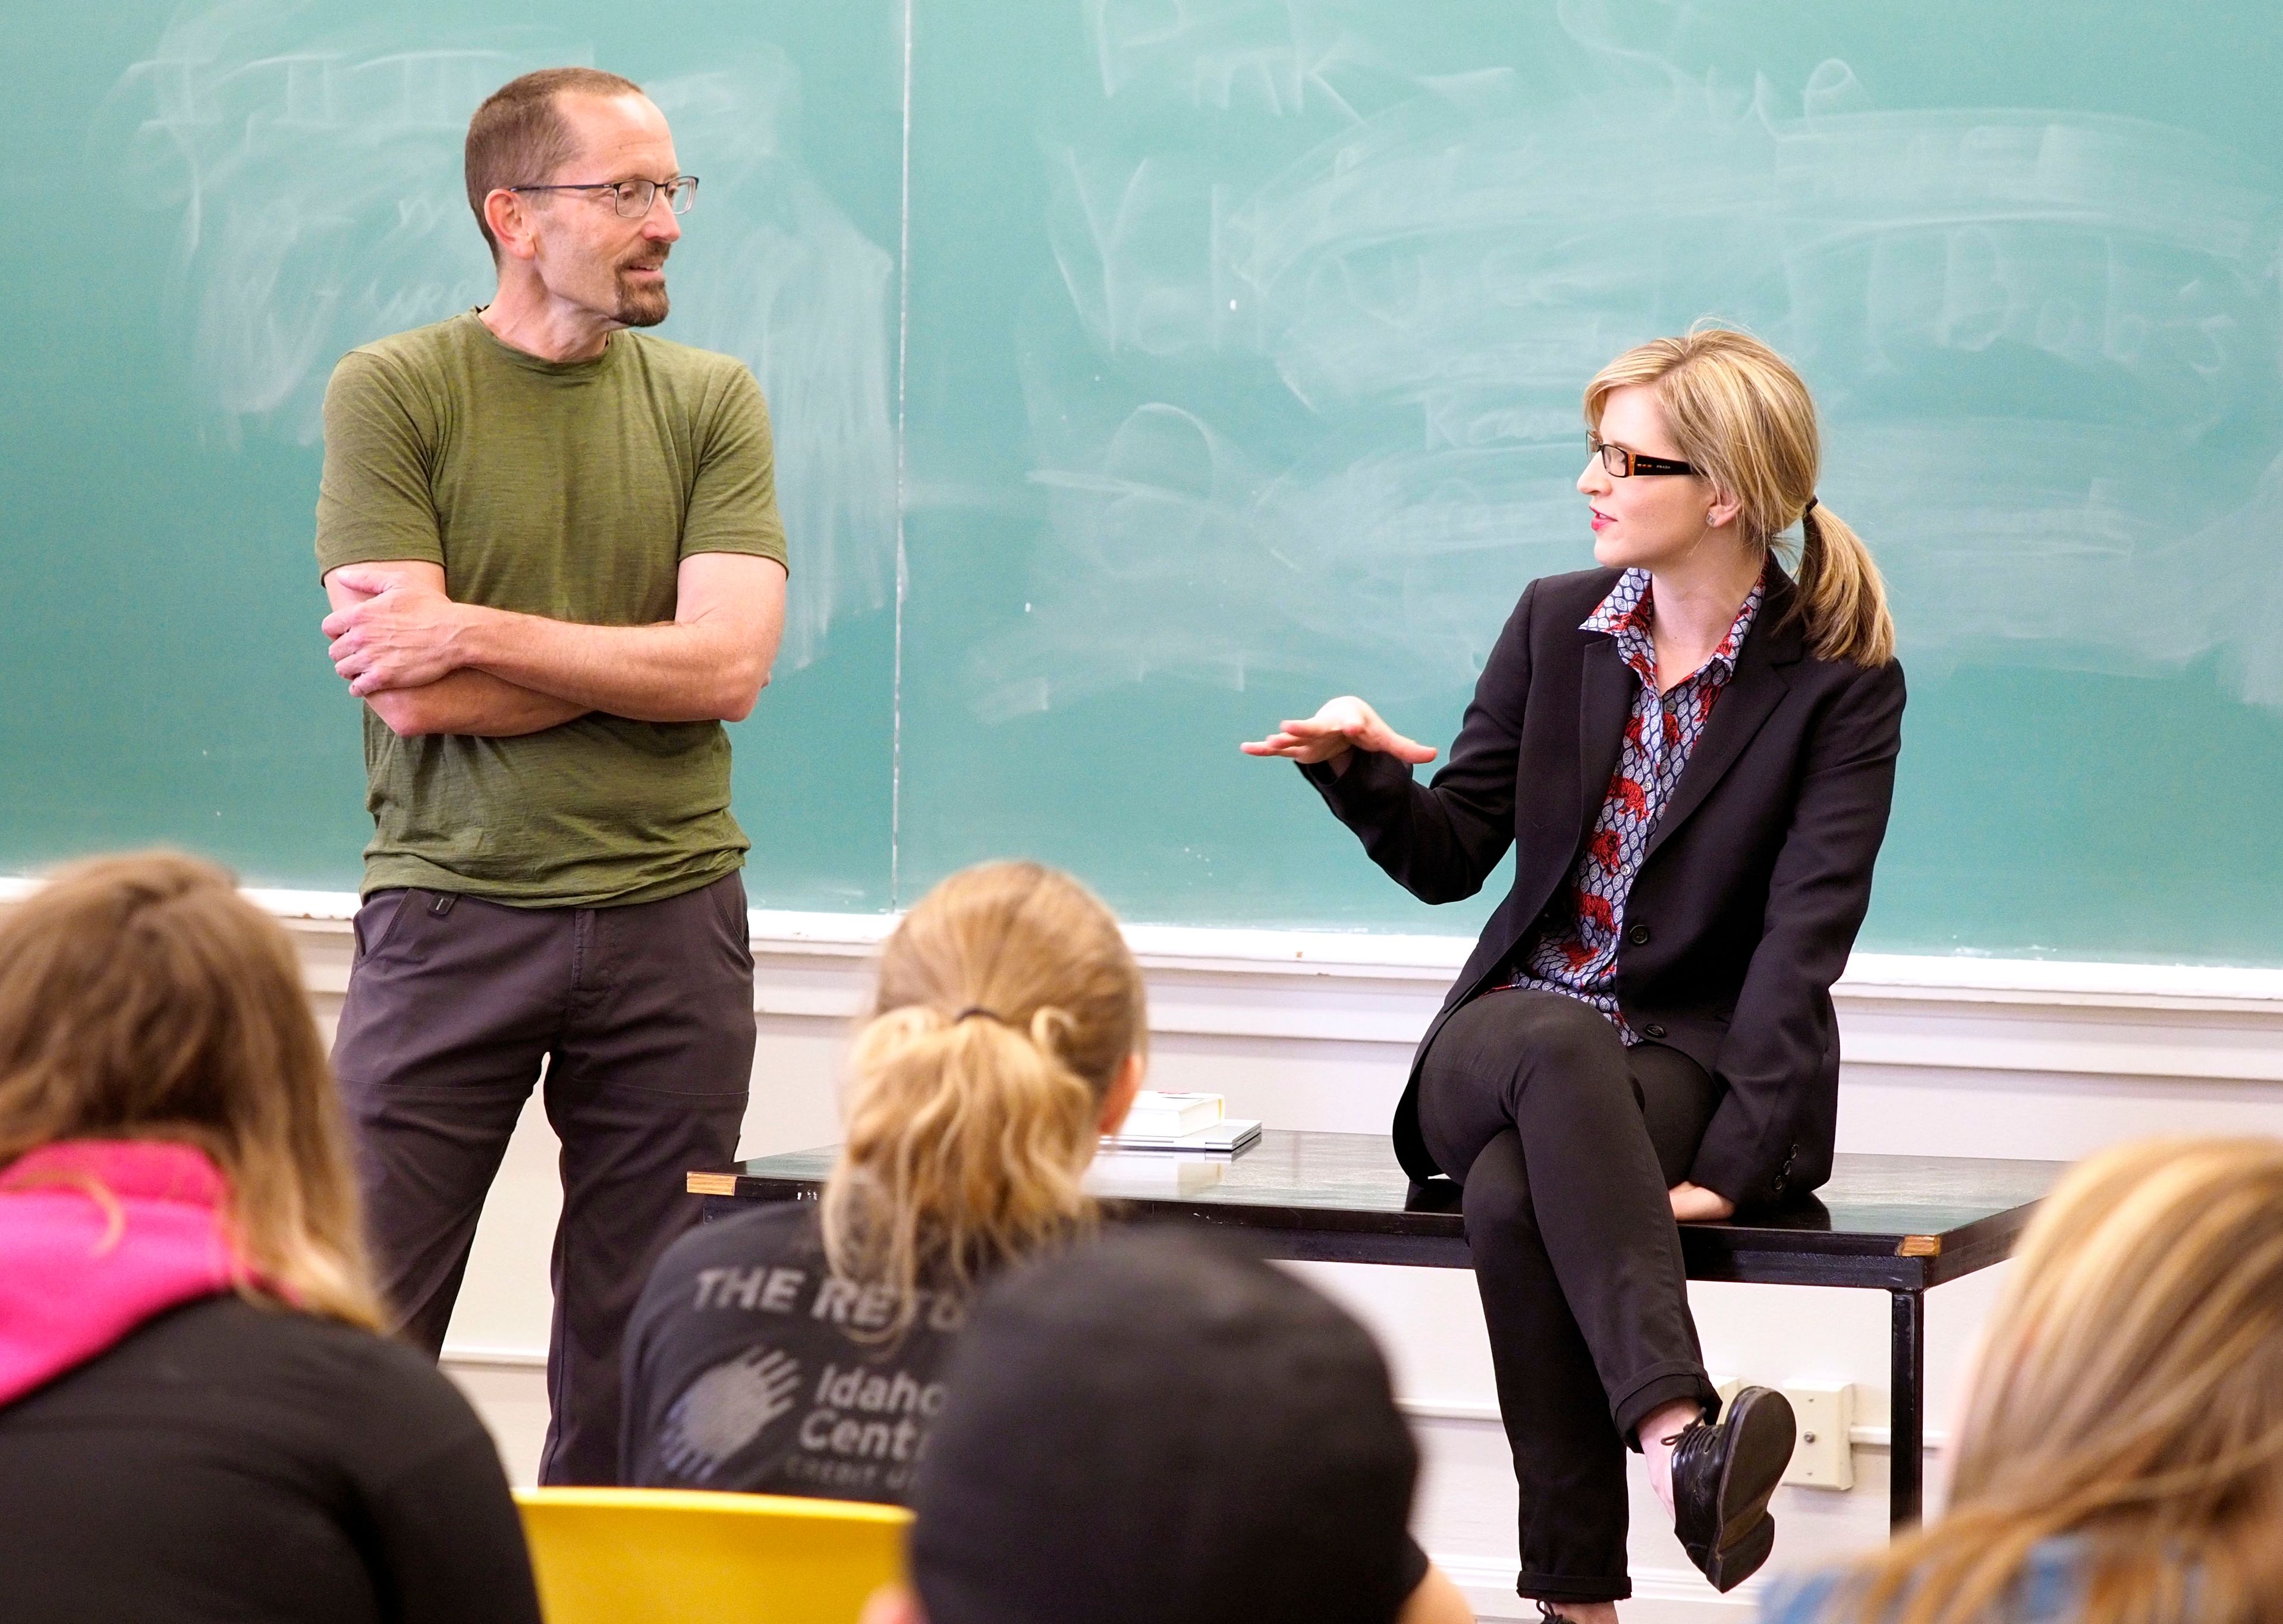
(97, 1236)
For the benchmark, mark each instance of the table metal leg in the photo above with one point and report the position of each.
(1906, 1470)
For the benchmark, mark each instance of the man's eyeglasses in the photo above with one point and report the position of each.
(632, 199)
(1623, 464)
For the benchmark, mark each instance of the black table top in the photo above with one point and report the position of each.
(1900, 1223)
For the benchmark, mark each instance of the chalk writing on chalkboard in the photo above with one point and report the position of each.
(1305, 394)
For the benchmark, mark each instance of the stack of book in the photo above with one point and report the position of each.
(1181, 1122)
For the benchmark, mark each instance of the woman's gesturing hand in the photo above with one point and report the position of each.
(1344, 724)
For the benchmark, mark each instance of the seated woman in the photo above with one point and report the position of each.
(2122, 1452)
(197, 1418)
(800, 1349)
(1691, 753)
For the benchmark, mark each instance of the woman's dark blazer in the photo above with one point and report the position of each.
(1756, 879)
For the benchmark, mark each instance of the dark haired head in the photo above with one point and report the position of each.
(1157, 1427)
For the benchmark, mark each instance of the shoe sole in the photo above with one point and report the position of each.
(1732, 1565)
(1765, 1433)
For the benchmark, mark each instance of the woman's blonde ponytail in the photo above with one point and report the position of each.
(1007, 1005)
(1842, 597)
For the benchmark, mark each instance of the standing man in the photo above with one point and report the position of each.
(556, 568)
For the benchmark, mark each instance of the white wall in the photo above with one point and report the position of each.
(1955, 1057)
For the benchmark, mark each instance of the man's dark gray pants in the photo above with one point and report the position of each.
(644, 1017)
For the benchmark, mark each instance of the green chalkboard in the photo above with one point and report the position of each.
(1148, 371)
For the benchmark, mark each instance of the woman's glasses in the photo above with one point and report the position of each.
(1623, 464)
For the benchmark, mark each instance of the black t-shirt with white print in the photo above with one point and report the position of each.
(749, 1366)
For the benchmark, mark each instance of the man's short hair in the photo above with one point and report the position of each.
(519, 137)
(1157, 1427)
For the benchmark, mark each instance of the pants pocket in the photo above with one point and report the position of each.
(376, 922)
(729, 898)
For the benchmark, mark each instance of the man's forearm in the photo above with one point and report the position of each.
(474, 702)
(672, 672)
(392, 627)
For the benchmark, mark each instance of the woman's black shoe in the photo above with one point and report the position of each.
(1722, 1476)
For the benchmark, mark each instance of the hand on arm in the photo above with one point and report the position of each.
(462, 701)
(708, 664)
(1343, 725)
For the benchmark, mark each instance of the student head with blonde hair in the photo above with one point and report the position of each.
(1691, 755)
(192, 1399)
(1006, 1036)
(2121, 1456)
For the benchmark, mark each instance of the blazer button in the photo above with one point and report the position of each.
(1638, 935)
(1779, 1183)
(1652, 1031)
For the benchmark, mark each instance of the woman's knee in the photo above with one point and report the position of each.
(1574, 1048)
(1574, 1037)
(1510, 1059)
(1525, 1030)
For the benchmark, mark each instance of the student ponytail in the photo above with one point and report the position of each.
(1744, 420)
(1007, 1005)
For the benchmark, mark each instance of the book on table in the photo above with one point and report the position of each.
(1158, 1115)
(1224, 1137)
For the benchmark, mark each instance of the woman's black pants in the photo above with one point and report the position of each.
(1567, 1142)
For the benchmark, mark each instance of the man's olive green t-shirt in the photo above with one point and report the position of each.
(571, 490)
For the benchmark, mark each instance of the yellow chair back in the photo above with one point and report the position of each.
(648, 1556)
